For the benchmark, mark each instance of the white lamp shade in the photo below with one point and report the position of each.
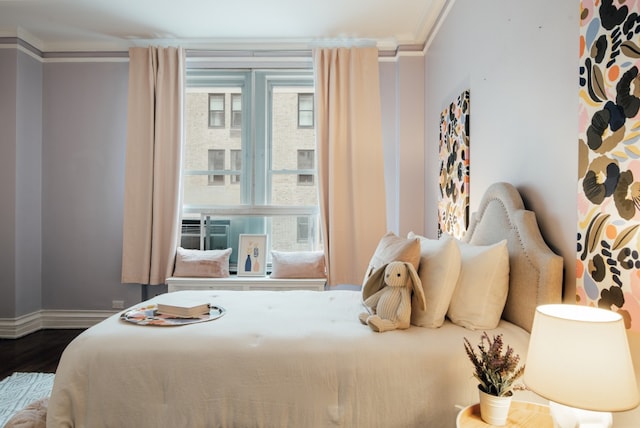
(579, 356)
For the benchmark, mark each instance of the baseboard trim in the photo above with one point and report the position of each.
(13, 328)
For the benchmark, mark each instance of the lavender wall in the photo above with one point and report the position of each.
(28, 206)
(8, 89)
(402, 97)
(520, 61)
(84, 135)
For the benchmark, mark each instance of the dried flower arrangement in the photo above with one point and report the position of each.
(496, 371)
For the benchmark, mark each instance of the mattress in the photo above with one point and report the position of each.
(274, 359)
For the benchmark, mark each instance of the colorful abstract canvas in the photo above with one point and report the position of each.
(608, 250)
(453, 204)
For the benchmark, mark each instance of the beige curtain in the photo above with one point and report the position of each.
(153, 156)
(350, 161)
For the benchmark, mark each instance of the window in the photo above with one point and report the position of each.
(236, 111)
(269, 156)
(216, 110)
(303, 229)
(216, 162)
(306, 162)
(236, 165)
(305, 110)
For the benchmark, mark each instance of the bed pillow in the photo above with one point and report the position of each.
(393, 248)
(202, 263)
(481, 291)
(297, 264)
(438, 271)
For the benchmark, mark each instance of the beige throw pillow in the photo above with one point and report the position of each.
(297, 264)
(393, 248)
(483, 284)
(439, 269)
(202, 263)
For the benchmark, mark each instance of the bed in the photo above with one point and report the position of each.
(300, 358)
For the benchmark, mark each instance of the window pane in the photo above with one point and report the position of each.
(292, 149)
(303, 229)
(306, 160)
(216, 162)
(236, 111)
(236, 164)
(216, 119)
(198, 192)
(216, 102)
(206, 149)
(247, 167)
(305, 119)
(286, 233)
(236, 102)
(287, 191)
(216, 110)
(305, 101)
(305, 110)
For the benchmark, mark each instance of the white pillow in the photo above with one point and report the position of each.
(482, 288)
(202, 263)
(438, 271)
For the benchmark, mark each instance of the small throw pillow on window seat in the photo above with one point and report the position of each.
(297, 264)
(202, 263)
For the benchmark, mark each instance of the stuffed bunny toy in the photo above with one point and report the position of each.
(387, 296)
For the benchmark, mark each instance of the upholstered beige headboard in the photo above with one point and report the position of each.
(535, 271)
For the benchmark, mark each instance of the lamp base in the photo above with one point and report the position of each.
(570, 417)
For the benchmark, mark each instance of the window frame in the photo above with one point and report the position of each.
(256, 176)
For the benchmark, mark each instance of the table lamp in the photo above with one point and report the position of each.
(579, 360)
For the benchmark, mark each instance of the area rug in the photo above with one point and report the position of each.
(21, 389)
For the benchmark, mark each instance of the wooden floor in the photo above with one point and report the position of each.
(36, 352)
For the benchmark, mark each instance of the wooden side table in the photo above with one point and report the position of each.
(522, 414)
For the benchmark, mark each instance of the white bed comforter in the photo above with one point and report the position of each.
(275, 359)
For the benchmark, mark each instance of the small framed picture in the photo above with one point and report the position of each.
(252, 258)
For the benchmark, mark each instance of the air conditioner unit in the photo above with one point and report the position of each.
(190, 236)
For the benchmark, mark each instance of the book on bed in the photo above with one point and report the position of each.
(183, 311)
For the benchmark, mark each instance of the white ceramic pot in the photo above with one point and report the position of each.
(494, 410)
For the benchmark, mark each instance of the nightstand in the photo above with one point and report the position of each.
(522, 414)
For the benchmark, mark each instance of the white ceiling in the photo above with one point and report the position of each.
(73, 25)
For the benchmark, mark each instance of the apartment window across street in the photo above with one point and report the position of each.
(216, 110)
(305, 111)
(303, 229)
(306, 160)
(236, 111)
(236, 164)
(271, 187)
(216, 162)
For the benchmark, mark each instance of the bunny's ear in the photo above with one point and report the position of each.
(374, 283)
(418, 291)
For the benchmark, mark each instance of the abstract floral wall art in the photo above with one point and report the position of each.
(453, 203)
(608, 240)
